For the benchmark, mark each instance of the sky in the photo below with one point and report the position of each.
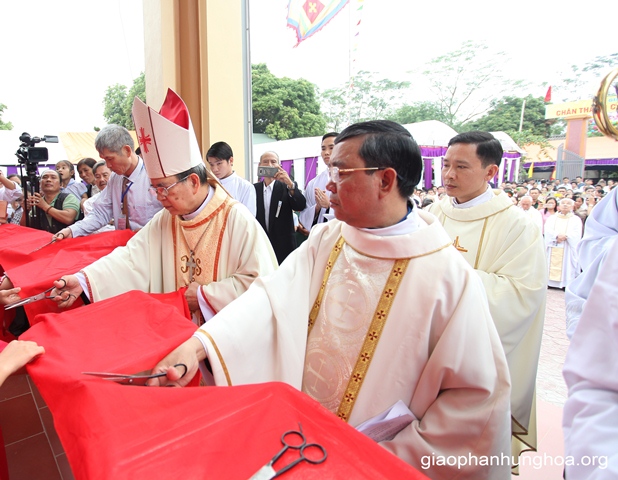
(58, 58)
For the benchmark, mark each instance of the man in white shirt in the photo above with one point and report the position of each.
(316, 194)
(221, 160)
(525, 204)
(126, 198)
(507, 252)
(100, 174)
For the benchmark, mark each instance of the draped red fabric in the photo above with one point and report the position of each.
(128, 432)
(35, 271)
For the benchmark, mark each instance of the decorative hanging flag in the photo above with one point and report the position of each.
(306, 17)
(548, 95)
(531, 170)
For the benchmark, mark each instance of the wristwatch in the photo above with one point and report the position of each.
(293, 187)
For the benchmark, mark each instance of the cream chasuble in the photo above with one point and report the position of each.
(506, 250)
(393, 318)
(562, 260)
(231, 251)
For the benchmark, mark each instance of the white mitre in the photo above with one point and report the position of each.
(167, 141)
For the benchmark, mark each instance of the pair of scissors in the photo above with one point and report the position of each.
(35, 298)
(293, 439)
(53, 240)
(138, 379)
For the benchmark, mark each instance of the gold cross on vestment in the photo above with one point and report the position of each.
(457, 246)
(192, 265)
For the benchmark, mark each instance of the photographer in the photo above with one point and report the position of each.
(55, 209)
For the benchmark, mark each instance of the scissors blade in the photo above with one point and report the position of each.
(138, 379)
(25, 301)
(43, 246)
(265, 473)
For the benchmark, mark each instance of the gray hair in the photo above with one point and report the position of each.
(113, 138)
(97, 165)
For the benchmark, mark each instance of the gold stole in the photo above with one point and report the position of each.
(354, 375)
(556, 256)
(204, 234)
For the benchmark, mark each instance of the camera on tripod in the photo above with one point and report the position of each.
(29, 155)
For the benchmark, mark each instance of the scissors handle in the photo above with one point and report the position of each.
(314, 461)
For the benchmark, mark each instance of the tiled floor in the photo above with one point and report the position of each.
(34, 451)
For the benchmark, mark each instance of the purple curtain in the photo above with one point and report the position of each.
(428, 175)
(287, 165)
(311, 169)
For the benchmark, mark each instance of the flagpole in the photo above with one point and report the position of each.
(521, 119)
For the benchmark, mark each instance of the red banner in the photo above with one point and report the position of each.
(128, 432)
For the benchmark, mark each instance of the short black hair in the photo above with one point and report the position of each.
(488, 149)
(86, 161)
(328, 135)
(220, 150)
(387, 144)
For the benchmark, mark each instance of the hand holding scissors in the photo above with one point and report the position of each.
(35, 298)
(293, 439)
(65, 295)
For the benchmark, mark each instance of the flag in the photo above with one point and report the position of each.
(531, 170)
(553, 174)
(306, 17)
(548, 95)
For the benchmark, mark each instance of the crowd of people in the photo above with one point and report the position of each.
(351, 317)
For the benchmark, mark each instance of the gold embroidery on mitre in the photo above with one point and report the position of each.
(371, 339)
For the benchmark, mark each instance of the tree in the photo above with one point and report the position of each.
(465, 81)
(118, 103)
(583, 80)
(418, 112)
(504, 115)
(284, 108)
(363, 99)
(4, 125)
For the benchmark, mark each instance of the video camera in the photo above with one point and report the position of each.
(29, 155)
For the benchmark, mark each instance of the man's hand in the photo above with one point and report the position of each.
(62, 234)
(191, 297)
(17, 354)
(561, 238)
(66, 291)
(37, 200)
(283, 176)
(190, 354)
(321, 198)
(9, 296)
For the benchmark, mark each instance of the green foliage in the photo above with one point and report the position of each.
(504, 116)
(364, 99)
(118, 102)
(465, 81)
(4, 125)
(585, 80)
(418, 112)
(284, 108)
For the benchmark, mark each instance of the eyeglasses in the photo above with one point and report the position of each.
(334, 173)
(165, 191)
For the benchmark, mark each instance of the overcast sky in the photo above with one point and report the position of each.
(58, 57)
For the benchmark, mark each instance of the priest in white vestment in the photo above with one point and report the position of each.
(221, 160)
(202, 239)
(563, 231)
(590, 417)
(505, 248)
(600, 234)
(316, 194)
(525, 204)
(353, 319)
